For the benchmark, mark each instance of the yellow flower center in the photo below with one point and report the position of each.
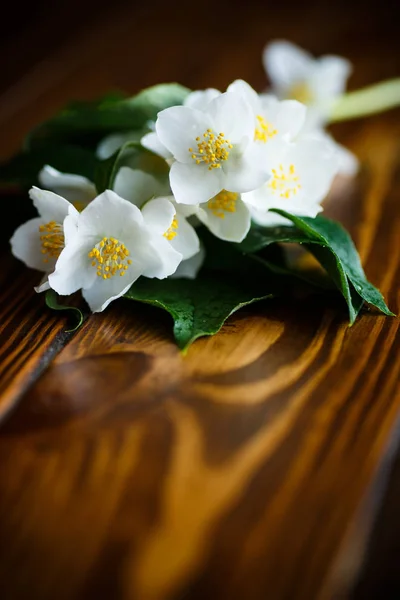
(52, 240)
(212, 149)
(173, 229)
(224, 202)
(264, 130)
(301, 91)
(284, 181)
(110, 257)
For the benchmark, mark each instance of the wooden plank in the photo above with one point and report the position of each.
(238, 471)
(30, 334)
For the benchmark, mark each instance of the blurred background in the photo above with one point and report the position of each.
(48, 49)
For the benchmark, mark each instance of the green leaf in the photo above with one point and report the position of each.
(109, 115)
(333, 247)
(52, 301)
(132, 154)
(200, 306)
(23, 169)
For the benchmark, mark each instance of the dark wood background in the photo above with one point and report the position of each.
(259, 465)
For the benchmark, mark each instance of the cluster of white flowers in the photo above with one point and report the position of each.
(232, 156)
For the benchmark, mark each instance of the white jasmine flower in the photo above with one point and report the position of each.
(301, 178)
(39, 242)
(213, 150)
(75, 188)
(274, 120)
(114, 244)
(139, 187)
(316, 82)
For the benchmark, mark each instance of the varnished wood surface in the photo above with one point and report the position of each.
(247, 469)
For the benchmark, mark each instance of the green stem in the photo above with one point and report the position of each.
(367, 101)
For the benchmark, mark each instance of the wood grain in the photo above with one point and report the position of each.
(242, 470)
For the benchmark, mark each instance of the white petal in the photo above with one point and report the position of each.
(201, 98)
(26, 245)
(43, 286)
(233, 227)
(72, 187)
(233, 117)
(177, 128)
(286, 64)
(151, 141)
(246, 172)
(348, 162)
(189, 268)
(186, 241)
(249, 95)
(193, 184)
(73, 269)
(50, 206)
(330, 76)
(113, 142)
(158, 215)
(70, 226)
(160, 260)
(289, 118)
(138, 186)
(109, 215)
(103, 291)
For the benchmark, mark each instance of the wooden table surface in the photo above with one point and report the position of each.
(253, 467)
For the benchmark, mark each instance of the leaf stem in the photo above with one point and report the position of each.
(367, 101)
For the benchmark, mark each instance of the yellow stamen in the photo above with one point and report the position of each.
(264, 130)
(222, 203)
(284, 181)
(173, 229)
(212, 149)
(52, 240)
(109, 256)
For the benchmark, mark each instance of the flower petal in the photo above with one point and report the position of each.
(289, 118)
(73, 270)
(152, 142)
(103, 291)
(26, 245)
(160, 258)
(233, 117)
(43, 286)
(188, 269)
(112, 143)
(201, 98)
(246, 172)
(245, 91)
(177, 128)
(286, 64)
(138, 186)
(109, 215)
(72, 187)
(193, 184)
(186, 241)
(233, 227)
(158, 215)
(50, 206)
(330, 76)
